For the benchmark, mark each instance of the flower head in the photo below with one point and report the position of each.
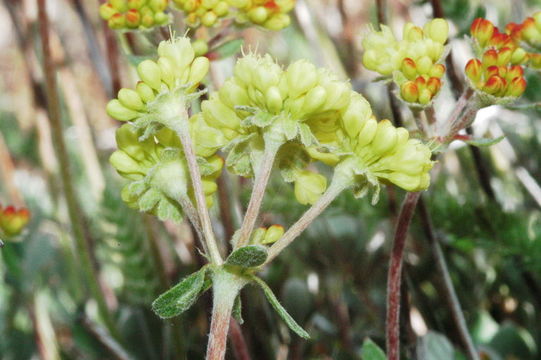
(134, 14)
(165, 89)
(413, 61)
(157, 171)
(13, 221)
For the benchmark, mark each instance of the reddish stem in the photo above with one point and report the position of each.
(394, 276)
(240, 348)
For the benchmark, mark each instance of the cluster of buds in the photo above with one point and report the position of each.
(203, 12)
(157, 172)
(13, 221)
(271, 14)
(528, 35)
(414, 62)
(134, 14)
(487, 36)
(314, 117)
(175, 75)
(494, 75)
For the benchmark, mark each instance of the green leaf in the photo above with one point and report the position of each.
(237, 310)
(435, 346)
(280, 310)
(248, 256)
(228, 48)
(484, 142)
(180, 297)
(371, 351)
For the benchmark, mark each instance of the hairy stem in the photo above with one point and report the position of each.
(82, 242)
(204, 217)
(335, 188)
(226, 287)
(450, 293)
(394, 276)
(258, 192)
(240, 348)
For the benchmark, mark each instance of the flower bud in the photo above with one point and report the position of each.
(125, 164)
(437, 30)
(412, 33)
(409, 91)
(504, 56)
(273, 234)
(482, 30)
(314, 99)
(490, 58)
(258, 235)
(474, 70)
(131, 99)
(309, 186)
(145, 92)
(120, 5)
(273, 100)
(438, 70)
(161, 18)
(258, 15)
(118, 111)
(150, 73)
(178, 50)
(519, 56)
(198, 70)
(158, 5)
(218, 115)
(357, 113)
(385, 138)
(433, 85)
(117, 21)
(167, 70)
(301, 77)
(425, 96)
(409, 68)
(13, 221)
(516, 87)
(534, 60)
(494, 85)
(367, 133)
(135, 4)
(107, 11)
(424, 64)
(209, 19)
(200, 47)
(277, 22)
(133, 18)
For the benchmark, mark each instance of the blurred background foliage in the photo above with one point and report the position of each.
(333, 279)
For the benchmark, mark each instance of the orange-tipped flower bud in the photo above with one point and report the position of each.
(504, 56)
(534, 60)
(482, 30)
(434, 85)
(133, 18)
(437, 70)
(516, 87)
(409, 91)
(490, 58)
(494, 85)
(474, 70)
(409, 68)
(515, 71)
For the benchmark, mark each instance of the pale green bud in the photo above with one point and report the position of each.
(314, 99)
(209, 19)
(150, 73)
(145, 92)
(168, 71)
(199, 69)
(424, 65)
(273, 234)
(124, 164)
(232, 94)
(209, 187)
(356, 115)
(437, 30)
(221, 9)
(277, 22)
(309, 187)
(367, 133)
(258, 14)
(219, 115)
(338, 95)
(301, 77)
(118, 111)
(131, 99)
(274, 100)
(385, 138)
(200, 47)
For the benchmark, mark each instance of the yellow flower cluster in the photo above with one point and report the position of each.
(271, 14)
(174, 76)
(414, 62)
(134, 14)
(158, 173)
(312, 116)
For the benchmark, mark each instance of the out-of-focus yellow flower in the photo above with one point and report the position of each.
(134, 14)
(13, 221)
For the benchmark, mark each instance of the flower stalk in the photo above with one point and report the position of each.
(226, 287)
(395, 275)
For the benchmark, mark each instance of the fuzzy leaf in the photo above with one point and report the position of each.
(149, 200)
(248, 256)
(280, 309)
(371, 351)
(484, 142)
(237, 310)
(228, 48)
(180, 297)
